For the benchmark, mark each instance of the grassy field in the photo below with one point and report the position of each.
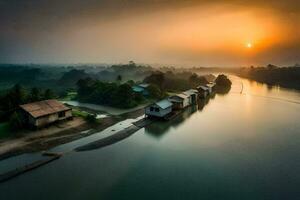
(70, 96)
(79, 113)
(4, 130)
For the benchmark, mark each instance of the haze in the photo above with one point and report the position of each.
(218, 33)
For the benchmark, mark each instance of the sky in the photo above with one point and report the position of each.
(215, 33)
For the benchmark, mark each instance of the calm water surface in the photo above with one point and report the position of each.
(236, 146)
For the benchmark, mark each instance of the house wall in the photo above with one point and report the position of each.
(177, 105)
(186, 102)
(194, 98)
(160, 113)
(48, 119)
(202, 93)
(209, 90)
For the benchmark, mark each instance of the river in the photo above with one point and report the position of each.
(238, 146)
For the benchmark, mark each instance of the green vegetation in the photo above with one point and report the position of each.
(17, 95)
(79, 113)
(111, 94)
(171, 81)
(69, 96)
(16, 122)
(155, 92)
(91, 118)
(4, 130)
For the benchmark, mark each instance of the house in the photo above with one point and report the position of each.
(43, 113)
(203, 91)
(159, 109)
(211, 87)
(179, 101)
(193, 96)
(141, 89)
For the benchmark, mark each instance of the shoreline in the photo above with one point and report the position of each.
(47, 138)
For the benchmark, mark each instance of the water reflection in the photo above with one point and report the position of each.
(239, 146)
(158, 129)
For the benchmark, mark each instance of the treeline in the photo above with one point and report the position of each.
(283, 76)
(62, 77)
(105, 93)
(18, 73)
(170, 81)
(17, 95)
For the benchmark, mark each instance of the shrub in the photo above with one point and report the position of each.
(15, 122)
(91, 118)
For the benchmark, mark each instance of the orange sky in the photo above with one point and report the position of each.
(201, 34)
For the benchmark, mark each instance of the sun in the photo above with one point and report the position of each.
(249, 45)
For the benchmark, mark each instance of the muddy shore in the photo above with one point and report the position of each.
(65, 132)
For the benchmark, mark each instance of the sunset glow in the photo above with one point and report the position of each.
(208, 34)
(249, 45)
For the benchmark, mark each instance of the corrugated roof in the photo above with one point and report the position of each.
(137, 89)
(43, 108)
(183, 96)
(164, 104)
(176, 99)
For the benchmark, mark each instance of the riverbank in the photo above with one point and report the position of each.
(60, 133)
(286, 77)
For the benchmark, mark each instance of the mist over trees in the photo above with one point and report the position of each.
(170, 81)
(273, 75)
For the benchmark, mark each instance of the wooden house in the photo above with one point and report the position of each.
(43, 113)
(159, 109)
(211, 87)
(203, 91)
(192, 96)
(141, 89)
(180, 101)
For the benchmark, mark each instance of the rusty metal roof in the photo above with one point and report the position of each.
(43, 108)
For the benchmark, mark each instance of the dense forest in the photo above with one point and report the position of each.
(173, 82)
(107, 93)
(283, 76)
(63, 77)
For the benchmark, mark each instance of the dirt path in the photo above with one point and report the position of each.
(61, 133)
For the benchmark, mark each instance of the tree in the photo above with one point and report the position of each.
(271, 67)
(49, 94)
(154, 92)
(91, 118)
(130, 82)
(223, 81)
(196, 80)
(85, 86)
(15, 97)
(35, 95)
(132, 64)
(119, 78)
(156, 78)
(124, 96)
(15, 121)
